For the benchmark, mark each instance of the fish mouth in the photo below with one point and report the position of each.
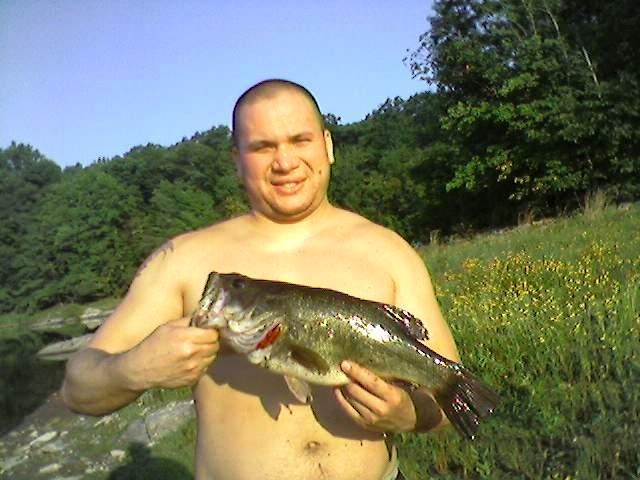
(211, 304)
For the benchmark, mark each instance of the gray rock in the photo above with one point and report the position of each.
(161, 422)
(50, 324)
(54, 447)
(11, 462)
(118, 455)
(63, 350)
(137, 433)
(169, 419)
(54, 467)
(92, 318)
(44, 438)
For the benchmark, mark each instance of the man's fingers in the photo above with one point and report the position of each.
(356, 393)
(346, 405)
(370, 381)
(180, 322)
(204, 335)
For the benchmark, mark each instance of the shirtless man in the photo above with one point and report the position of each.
(249, 425)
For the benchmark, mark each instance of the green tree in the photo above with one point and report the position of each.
(25, 175)
(533, 120)
(80, 243)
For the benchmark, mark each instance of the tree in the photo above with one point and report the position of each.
(25, 175)
(534, 121)
(80, 243)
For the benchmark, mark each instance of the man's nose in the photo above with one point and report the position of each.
(285, 159)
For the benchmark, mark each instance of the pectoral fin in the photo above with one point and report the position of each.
(299, 389)
(309, 359)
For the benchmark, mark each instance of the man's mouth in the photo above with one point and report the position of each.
(288, 187)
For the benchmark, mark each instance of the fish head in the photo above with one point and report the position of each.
(238, 307)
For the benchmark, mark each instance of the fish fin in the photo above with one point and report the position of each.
(406, 321)
(466, 401)
(309, 359)
(299, 389)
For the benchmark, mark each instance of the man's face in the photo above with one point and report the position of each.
(283, 156)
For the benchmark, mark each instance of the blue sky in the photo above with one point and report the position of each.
(86, 79)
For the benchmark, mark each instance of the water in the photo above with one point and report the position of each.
(25, 381)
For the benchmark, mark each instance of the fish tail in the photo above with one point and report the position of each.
(465, 401)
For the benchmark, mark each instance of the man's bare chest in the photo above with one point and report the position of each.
(342, 269)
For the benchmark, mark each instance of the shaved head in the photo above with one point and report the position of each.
(269, 89)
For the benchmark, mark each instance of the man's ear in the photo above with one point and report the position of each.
(328, 142)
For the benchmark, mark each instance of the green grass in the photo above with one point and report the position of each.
(549, 315)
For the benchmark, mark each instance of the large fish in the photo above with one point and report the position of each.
(304, 333)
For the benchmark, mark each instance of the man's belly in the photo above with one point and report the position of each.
(250, 427)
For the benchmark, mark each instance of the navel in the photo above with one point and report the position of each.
(313, 447)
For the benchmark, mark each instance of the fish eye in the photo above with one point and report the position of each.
(237, 283)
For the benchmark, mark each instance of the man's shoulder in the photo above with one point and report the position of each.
(359, 225)
(220, 231)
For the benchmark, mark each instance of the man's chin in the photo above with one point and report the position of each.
(288, 213)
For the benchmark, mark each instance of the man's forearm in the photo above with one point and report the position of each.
(97, 382)
(428, 413)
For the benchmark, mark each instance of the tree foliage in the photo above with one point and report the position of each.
(534, 104)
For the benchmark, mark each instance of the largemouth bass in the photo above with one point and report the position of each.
(304, 333)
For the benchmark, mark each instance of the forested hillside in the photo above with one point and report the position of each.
(528, 107)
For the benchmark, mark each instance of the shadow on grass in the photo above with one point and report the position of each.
(26, 382)
(142, 466)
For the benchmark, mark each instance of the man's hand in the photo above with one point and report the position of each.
(373, 403)
(174, 355)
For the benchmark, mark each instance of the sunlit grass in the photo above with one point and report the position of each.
(550, 316)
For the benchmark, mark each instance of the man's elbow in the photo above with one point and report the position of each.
(73, 386)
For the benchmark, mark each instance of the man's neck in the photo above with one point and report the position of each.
(293, 231)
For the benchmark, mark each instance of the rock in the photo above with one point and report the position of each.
(91, 312)
(161, 422)
(92, 318)
(53, 447)
(137, 433)
(44, 438)
(54, 467)
(118, 455)
(63, 350)
(11, 462)
(107, 419)
(169, 419)
(50, 324)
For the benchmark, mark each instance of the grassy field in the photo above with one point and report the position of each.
(549, 315)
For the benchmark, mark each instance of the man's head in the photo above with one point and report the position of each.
(269, 89)
(282, 150)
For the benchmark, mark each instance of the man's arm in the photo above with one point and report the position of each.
(145, 343)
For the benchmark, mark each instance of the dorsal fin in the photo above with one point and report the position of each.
(405, 320)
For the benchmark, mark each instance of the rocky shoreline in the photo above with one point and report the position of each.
(55, 443)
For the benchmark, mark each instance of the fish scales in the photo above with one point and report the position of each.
(304, 333)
